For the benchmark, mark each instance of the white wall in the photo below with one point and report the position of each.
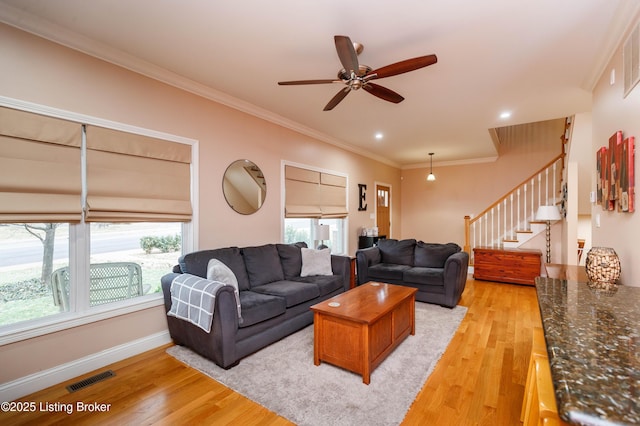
(612, 112)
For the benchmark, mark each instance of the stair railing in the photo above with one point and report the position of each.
(514, 211)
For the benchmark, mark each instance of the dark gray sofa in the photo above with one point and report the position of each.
(274, 299)
(438, 271)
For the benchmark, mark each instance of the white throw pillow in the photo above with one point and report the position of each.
(218, 271)
(315, 262)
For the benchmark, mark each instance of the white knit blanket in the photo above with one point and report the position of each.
(193, 299)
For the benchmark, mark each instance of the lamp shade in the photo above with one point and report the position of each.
(548, 213)
(322, 232)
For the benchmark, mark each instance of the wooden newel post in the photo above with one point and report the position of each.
(467, 246)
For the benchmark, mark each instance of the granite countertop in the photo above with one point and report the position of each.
(593, 342)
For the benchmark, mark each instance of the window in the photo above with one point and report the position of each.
(90, 217)
(314, 197)
(301, 229)
(29, 253)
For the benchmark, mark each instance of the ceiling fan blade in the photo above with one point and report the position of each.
(347, 54)
(292, 83)
(337, 99)
(383, 93)
(402, 67)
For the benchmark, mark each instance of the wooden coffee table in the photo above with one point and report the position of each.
(356, 330)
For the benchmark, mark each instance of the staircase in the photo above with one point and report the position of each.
(510, 221)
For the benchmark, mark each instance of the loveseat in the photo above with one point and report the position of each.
(438, 271)
(275, 290)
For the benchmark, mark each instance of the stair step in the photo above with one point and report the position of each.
(508, 240)
(524, 231)
(538, 222)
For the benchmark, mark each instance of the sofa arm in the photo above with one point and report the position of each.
(341, 265)
(456, 269)
(365, 258)
(218, 345)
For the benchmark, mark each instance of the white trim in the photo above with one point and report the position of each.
(88, 119)
(26, 385)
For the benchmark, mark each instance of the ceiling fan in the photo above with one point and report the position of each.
(356, 76)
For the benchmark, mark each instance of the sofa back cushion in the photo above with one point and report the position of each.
(291, 259)
(400, 252)
(196, 263)
(263, 264)
(434, 255)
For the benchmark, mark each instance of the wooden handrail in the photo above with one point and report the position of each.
(501, 199)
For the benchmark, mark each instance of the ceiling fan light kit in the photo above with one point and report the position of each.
(356, 76)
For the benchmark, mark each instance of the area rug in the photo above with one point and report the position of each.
(282, 377)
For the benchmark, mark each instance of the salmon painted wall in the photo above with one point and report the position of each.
(612, 112)
(38, 71)
(435, 210)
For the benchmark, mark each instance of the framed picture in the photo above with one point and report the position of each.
(600, 154)
(626, 188)
(615, 151)
(605, 170)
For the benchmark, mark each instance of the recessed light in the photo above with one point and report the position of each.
(505, 114)
(379, 135)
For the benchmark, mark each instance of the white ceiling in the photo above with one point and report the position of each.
(538, 59)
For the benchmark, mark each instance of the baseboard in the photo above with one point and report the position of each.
(18, 388)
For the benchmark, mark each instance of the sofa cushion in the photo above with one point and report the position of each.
(326, 283)
(387, 271)
(263, 264)
(315, 262)
(397, 251)
(294, 292)
(425, 276)
(291, 259)
(433, 255)
(258, 307)
(218, 271)
(196, 263)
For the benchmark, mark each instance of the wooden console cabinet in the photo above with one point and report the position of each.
(517, 266)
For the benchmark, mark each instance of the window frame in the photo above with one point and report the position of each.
(79, 247)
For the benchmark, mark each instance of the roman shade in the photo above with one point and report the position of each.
(313, 194)
(41, 170)
(135, 178)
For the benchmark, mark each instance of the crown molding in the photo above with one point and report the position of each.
(450, 163)
(59, 35)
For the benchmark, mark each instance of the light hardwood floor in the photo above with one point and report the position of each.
(478, 381)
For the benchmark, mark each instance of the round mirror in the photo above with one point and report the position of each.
(244, 187)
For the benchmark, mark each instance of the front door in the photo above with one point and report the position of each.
(383, 208)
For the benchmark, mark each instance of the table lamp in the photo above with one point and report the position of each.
(322, 233)
(547, 214)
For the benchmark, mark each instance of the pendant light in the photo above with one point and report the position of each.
(431, 176)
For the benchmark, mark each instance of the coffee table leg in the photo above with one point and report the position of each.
(413, 315)
(366, 356)
(316, 338)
